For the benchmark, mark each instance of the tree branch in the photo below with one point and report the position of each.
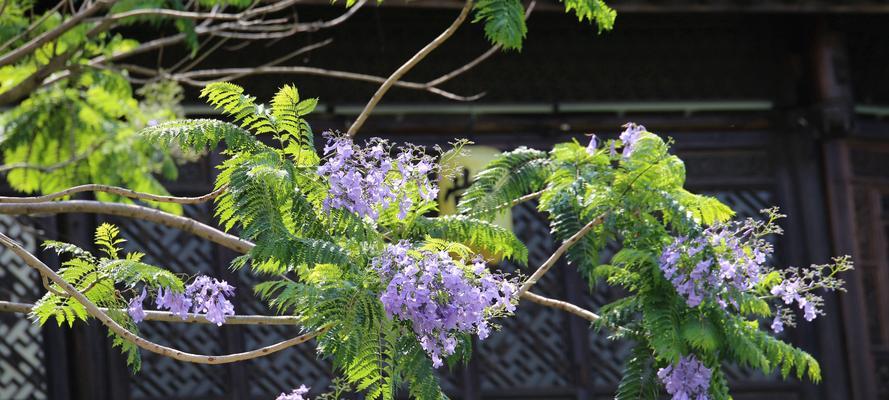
(106, 320)
(113, 190)
(50, 35)
(561, 305)
(557, 254)
(189, 78)
(184, 224)
(32, 26)
(478, 60)
(166, 316)
(407, 67)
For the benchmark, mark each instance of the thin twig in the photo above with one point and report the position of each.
(145, 344)
(478, 60)
(279, 60)
(214, 74)
(49, 288)
(558, 253)
(114, 190)
(407, 67)
(166, 316)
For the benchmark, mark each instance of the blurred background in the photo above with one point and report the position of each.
(769, 102)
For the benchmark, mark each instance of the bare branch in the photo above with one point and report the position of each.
(558, 253)
(407, 67)
(35, 79)
(106, 320)
(193, 77)
(298, 52)
(478, 60)
(166, 316)
(184, 224)
(212, 29)
(114, 190)
(561, 305)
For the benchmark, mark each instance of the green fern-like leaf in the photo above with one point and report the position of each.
(508, 177)
(107, 239)
(479, 234)
(639, 380)
(504, 22)
(199, 135)
(231, 100)
(593, 11)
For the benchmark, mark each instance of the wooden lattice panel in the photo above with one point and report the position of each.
(530, 351)
(162, 377)
(22, 369)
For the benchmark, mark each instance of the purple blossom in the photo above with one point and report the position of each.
(203, 296)
(723, 260)
(209, 297)
(177, 303)
(778, 323)
(135, 307)
(689, 379)
(296, 394)
(631, 134)
(440, 296)
(594, 143)
(360, 179)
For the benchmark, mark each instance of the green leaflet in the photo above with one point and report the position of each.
(479, 234)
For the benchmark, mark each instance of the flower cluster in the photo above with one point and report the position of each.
(799, 286)
(728, 259)
(724, 260)
(631, 134)
(296, 394)
(689, 379)
(363, 180)
(628, 138)
(440, 296)
(203, 296)
(208, 296)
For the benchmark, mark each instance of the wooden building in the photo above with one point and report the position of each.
(770, 102)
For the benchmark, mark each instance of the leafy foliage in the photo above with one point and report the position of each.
(504, 22)
(473, 232)
(325, 264)
(505, 19)
(102, 280)
(639, 197)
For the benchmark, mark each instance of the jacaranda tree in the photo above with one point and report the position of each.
(347, 243)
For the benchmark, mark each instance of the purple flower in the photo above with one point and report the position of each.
(778, 324)
(687, 379)
(177, 303)
(809, 311)
(722, 261)
(135, 307)
(203, 296)
(591, 148)
(209, 296)
(439, 296)
(360, 180)
(296, 394)
(630, 136)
